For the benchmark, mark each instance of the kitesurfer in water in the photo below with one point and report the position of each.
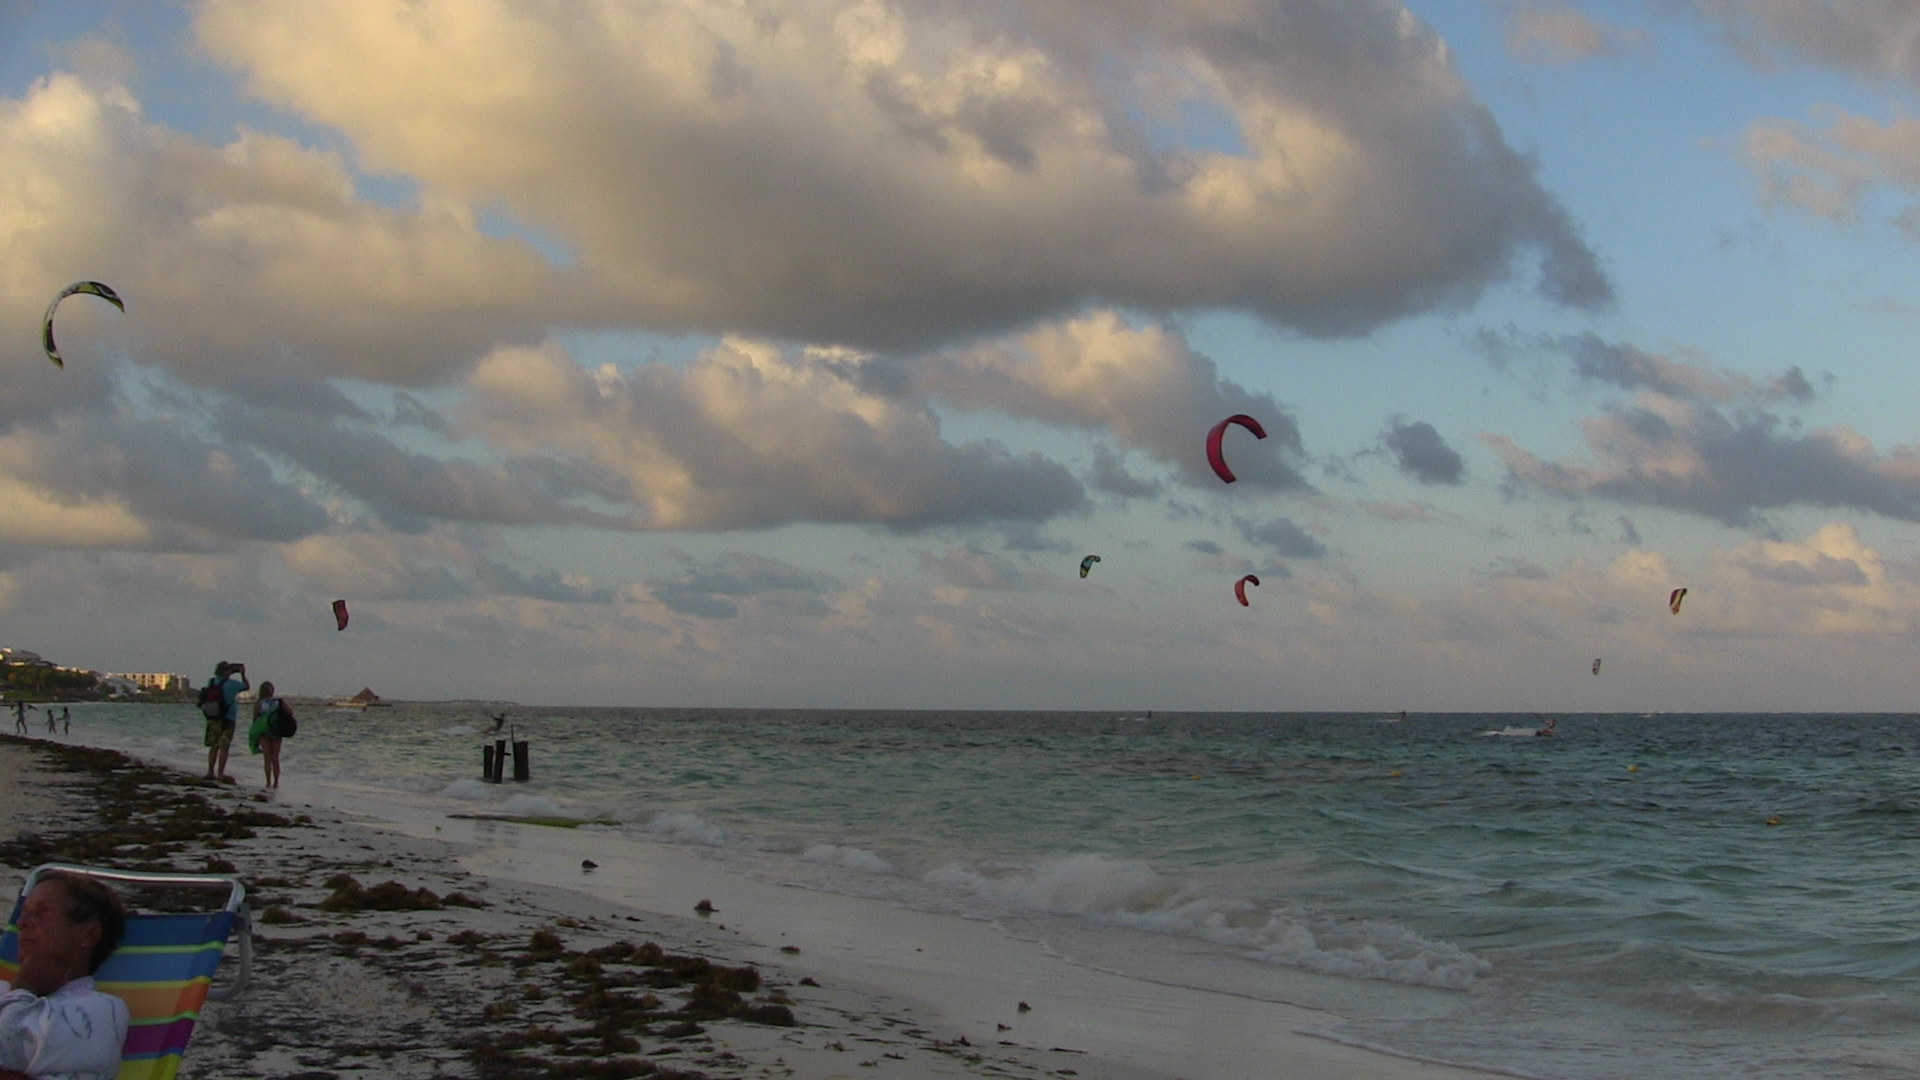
(1546, 731)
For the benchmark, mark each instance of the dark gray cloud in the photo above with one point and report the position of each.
(190, 492)
(973, 568)
(1628, 367)
(409, 490)
(1111, 476)
(1420, 452)
(542, 585)
(1875, 39)
(1628, 534)
(712, 589)
(1516, 567)
(1283, 536)
(1205, 547)
(1025, 536)
(1731, 467)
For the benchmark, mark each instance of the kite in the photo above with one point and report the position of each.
(1240, 588)
(1596, 665)
(1219, 432)
(46, 327)
(1086, 564)
(1674, 598)
(340, 614)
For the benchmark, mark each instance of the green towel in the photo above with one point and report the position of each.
(260, 725)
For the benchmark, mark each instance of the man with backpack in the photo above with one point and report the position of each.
(218, 703)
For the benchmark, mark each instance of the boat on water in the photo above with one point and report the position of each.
(365, 699)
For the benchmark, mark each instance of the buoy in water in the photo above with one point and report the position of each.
(1773, 821)
(1633, 768)
(1394, 773)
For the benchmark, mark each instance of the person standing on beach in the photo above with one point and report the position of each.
(20, 717)
(265, 734)
(53, 1023)
(232, 679)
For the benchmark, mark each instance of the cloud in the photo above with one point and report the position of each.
(1726, 466)
(1828, 171)
(1875, 39)
(896, 176)
(1283, 536)
(383, 566)
(1564, 35)
(543, 584)
(407, 489)
(713, 589)
(1143, 386)
(1420, 452)
(119, 481)
(1831, 583)
(750, 436)
(1110, 475)
(1628, 534)
(972, 568)
(1628, 367)
(253, 257)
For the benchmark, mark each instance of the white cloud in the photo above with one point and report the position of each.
(895, 174)
(749, 436)
(1142, 385)
(243, 257)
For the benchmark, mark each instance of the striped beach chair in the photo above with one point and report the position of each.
(164, 967)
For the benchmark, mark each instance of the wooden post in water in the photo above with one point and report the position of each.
(486, 763)
(499, 760)
(522, 763)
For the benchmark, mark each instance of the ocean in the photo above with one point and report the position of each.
(1658, 896)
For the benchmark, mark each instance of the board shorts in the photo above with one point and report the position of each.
(219, 734)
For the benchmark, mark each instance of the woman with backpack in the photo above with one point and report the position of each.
(272, 722)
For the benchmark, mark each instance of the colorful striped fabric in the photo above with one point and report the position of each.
(162, 971)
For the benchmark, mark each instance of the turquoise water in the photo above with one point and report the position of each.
(1610, 902)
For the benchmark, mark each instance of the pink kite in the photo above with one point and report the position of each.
(1214, 457)
(340, 614)
(1240, 588)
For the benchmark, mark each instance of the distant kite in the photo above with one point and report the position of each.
(46, 326)
(1240, 588)
(340, 614)
(1086, 564)
(1673, 599)
(1596, 665)
(1214, 456)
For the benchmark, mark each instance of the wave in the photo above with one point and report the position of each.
(1127, 893)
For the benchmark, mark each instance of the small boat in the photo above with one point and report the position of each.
(365, 699)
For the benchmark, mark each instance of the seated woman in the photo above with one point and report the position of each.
(53, 1024)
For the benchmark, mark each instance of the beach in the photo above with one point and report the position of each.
(472, 947)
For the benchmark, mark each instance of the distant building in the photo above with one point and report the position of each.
(150, 680)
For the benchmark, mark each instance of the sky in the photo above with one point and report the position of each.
(793, 353)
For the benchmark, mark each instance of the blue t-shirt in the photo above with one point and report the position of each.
(229, 692)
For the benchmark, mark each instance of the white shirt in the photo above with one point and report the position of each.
(75, 1033)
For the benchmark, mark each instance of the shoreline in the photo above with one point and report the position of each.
(872, 989)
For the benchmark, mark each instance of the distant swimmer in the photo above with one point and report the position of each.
(499, 721)
(1546, 731)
